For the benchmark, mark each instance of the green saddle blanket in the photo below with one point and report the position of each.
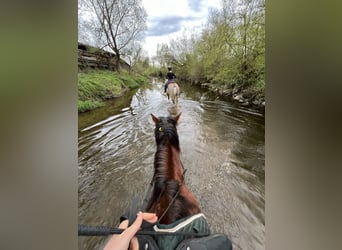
(193, 224)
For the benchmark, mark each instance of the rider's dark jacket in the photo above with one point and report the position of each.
(170, 75)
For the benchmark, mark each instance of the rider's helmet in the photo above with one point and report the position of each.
(169, 68)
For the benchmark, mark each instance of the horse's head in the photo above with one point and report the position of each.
(165, 129)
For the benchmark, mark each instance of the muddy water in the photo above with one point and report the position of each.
(222, 149)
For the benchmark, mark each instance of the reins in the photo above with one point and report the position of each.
(173, 199)
(86, 230)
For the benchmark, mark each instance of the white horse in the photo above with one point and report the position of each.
(173, 92)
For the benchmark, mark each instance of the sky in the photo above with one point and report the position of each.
(167, 19)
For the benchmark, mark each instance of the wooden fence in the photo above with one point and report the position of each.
(93, 58)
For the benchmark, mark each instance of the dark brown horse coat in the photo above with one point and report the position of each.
(170, 195)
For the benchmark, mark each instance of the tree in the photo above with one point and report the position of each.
(119, 23)
(164, 55)
(245, 24)
(137, 58)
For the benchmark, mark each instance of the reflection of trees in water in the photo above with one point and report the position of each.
(110, 108)
(237, 125)
(249, 150)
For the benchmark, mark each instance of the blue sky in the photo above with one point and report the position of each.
(167, 19)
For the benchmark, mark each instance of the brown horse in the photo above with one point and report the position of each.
(173, 92)
(171, 199)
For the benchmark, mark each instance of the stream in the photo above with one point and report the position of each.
(222, 148)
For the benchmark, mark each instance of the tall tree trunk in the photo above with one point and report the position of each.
(117, 64)
(117, 59)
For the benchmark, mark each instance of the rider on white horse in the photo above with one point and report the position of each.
(170, 77)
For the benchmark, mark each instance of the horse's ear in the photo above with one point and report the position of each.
(177, 117)
(155, 119)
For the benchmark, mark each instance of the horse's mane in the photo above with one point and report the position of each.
(169, 180)
(166, 136)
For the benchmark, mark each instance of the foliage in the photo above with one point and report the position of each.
(96, 86)
(229, 52)
(87, 105)
(99, 84)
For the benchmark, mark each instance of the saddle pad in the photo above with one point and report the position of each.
(193, 224)
(212, 242)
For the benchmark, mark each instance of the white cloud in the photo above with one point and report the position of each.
(167, 19)
(214, 4)
(158, 8)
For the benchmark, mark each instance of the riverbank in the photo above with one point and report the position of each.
(252, 97)
(97, 86)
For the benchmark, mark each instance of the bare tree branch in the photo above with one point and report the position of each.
(121, 22)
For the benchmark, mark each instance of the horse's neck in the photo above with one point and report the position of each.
(175, 165)
(169, 184)
(171, 163)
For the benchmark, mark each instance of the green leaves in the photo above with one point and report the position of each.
(229, 51)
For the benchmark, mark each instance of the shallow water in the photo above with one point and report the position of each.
(222, 149)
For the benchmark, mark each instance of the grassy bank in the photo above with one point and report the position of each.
(94, 87)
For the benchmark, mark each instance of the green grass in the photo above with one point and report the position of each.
(84, 106)
(94, 87)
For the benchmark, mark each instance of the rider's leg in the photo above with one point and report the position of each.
(165, 87)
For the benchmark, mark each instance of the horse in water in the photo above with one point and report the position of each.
(170, 199)
(173, 92)
(180, 225)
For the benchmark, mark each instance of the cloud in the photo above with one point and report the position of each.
(195, 5)
(165, 25)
